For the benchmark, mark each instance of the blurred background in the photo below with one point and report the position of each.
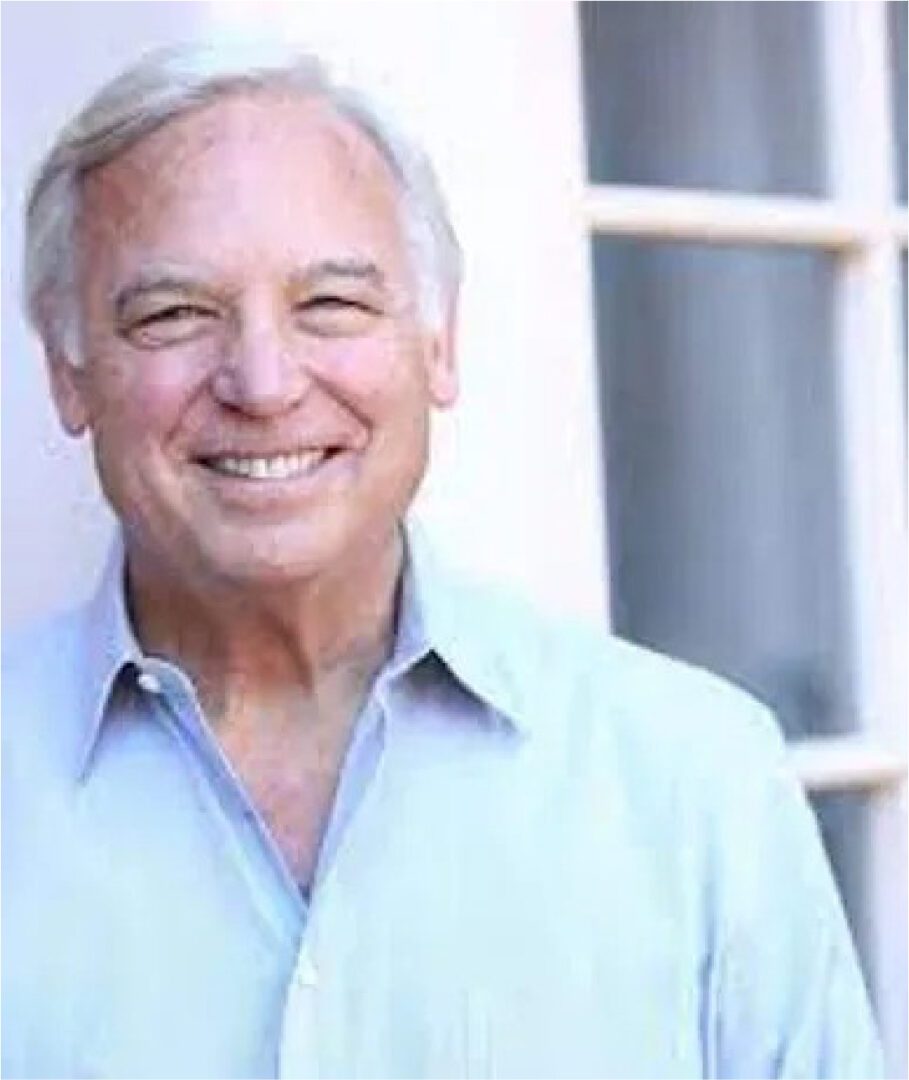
(683, 346)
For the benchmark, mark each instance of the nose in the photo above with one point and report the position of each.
(261, 372)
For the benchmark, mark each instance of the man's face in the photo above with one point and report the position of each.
(257, 378)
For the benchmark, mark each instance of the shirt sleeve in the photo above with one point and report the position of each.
(787, 995)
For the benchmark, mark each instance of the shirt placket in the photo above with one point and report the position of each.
(298, 1052)
(306, 1008)
(245, 845)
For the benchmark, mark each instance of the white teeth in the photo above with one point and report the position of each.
(280, 467)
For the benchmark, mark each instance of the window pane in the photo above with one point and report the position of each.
(722, 95)
(843, 820)
(719, 409)
(896, 33)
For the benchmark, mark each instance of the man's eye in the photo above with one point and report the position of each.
(172, 324)
(329, 315)
(333, 303)
(173, 314)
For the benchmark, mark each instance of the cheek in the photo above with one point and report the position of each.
(148, 399)
(144, 411)
(376, 377)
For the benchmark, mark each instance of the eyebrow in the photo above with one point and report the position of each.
(353, 269)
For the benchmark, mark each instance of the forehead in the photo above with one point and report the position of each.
(253, 169)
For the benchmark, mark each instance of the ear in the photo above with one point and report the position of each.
(68, 380)
(442, 367)
(69, 389)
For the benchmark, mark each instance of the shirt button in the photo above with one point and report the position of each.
(148, 682)
(306, 976)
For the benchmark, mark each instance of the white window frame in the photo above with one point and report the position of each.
(860, 224)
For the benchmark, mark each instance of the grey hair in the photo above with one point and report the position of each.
(170, 82)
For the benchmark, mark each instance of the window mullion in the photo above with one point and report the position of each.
(868, 333)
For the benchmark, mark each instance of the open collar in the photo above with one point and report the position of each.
(440, 613)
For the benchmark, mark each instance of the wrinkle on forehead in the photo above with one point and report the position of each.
(222, 143)
(240, 117)
(233, 127)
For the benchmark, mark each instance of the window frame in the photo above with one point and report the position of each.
(861, 223)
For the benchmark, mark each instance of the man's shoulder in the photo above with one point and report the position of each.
(40, 648)
(623, 733)
(43, 669)
(577, 683)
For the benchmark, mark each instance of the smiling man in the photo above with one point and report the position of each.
(287, 797)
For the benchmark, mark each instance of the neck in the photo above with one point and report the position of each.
(309, 651)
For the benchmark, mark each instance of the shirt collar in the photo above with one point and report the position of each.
(110, 647)
(445, 613)
(439, 615)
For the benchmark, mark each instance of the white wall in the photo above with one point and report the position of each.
(493, 89)
(54, 526)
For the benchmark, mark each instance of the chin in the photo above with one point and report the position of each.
(263, 569)
(266, 557)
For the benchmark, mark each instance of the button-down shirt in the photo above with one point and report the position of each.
(551, 854)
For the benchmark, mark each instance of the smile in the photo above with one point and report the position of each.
(278, 467)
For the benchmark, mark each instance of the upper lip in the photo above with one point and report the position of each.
(270, 452)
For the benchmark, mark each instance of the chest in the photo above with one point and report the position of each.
(458, 936)
(291, 780)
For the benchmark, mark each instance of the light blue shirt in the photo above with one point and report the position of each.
(552, 854)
